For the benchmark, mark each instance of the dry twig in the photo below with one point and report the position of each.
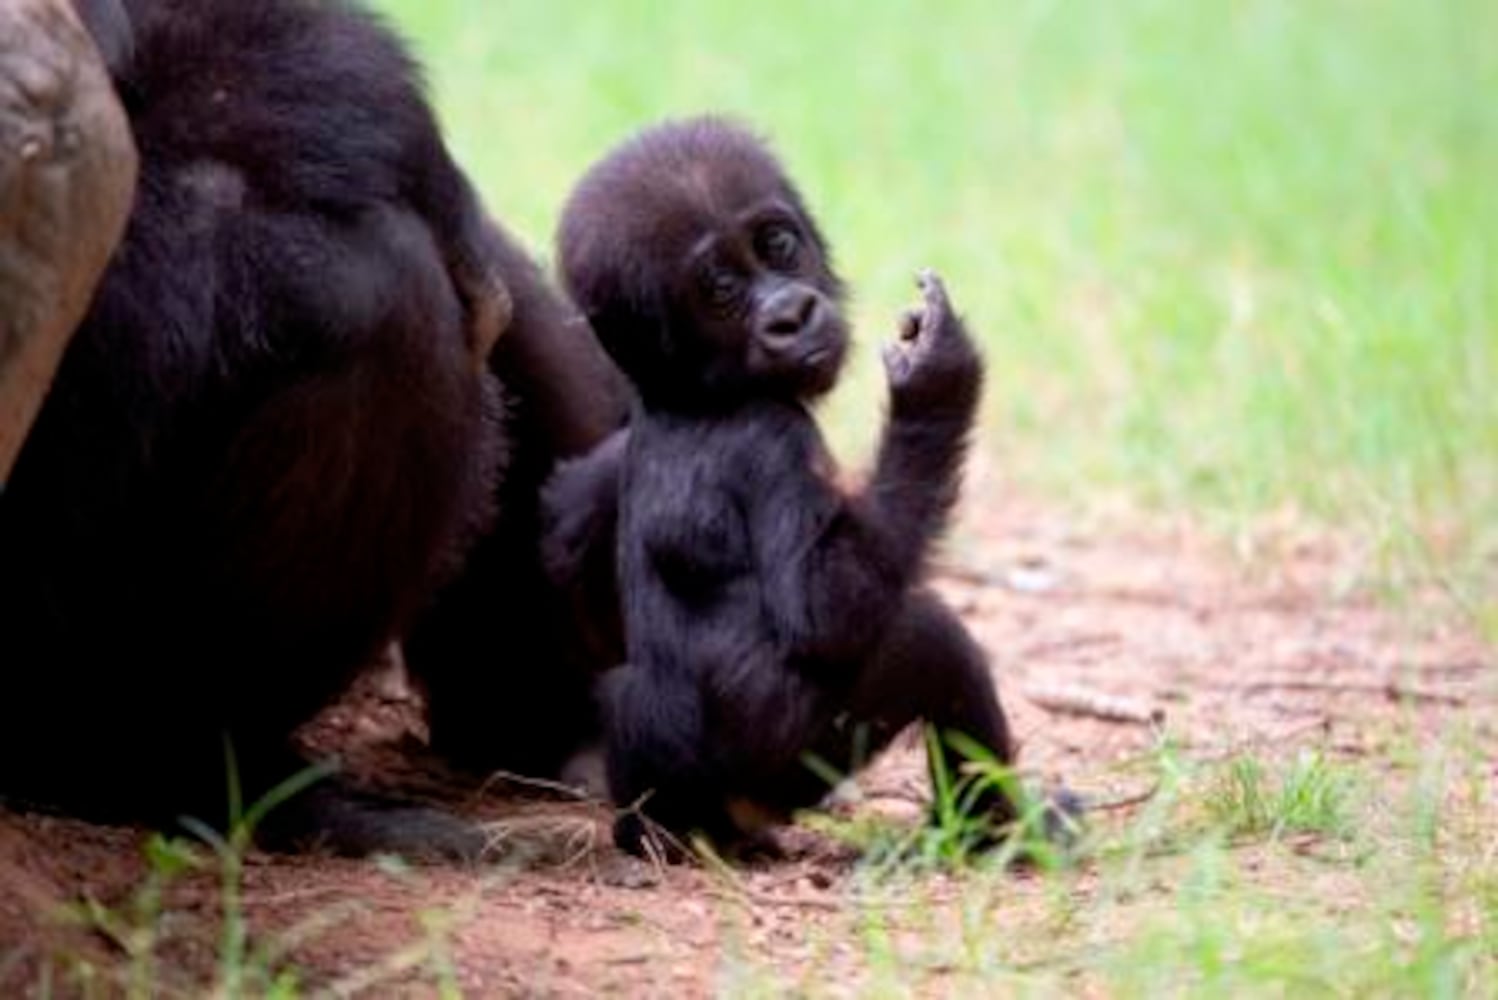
(1391, 690)
(1073, 699)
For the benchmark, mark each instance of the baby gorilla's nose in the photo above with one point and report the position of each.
(788, 312)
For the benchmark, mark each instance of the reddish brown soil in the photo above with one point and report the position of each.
(1276, 652)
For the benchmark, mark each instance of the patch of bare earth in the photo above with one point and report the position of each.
(1085, 619)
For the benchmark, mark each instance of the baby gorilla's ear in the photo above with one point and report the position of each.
(618, 283)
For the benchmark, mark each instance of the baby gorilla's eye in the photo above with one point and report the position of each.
(721, 287)
(779, 247)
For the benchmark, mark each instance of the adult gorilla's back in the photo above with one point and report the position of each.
(275, 434)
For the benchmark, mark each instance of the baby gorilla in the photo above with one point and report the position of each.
(769, 619)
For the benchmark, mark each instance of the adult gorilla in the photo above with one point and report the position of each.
(278, 430)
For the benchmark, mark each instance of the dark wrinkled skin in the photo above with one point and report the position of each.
(67, 174)
(278, 432)
(762, 615)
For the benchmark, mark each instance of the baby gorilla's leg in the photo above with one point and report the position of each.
(927, 668)
(660, 776)
(930, 669)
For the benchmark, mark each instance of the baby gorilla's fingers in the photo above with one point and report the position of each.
(896, 364)
(937, 305)
(931, 286)
(910, 324)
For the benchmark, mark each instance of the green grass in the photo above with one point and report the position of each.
(1254, 876)
(959, 833)
(1383, 887)
(1310, 798)
(1233, 255)
(142, 930)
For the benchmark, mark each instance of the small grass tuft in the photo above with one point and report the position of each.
(1310, 796)
(145, 923)
(958, 833)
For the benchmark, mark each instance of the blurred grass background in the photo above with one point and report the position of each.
(1236, 255)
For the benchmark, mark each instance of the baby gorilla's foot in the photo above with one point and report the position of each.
(1034, 829)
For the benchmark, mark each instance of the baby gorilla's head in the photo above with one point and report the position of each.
(701, 271)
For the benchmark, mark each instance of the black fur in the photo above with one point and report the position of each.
(767, 616)
(507, 673)
(278, 430)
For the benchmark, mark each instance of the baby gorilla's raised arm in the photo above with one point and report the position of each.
(935, 380)
(834, 564)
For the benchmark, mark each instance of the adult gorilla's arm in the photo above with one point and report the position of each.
(67, 175)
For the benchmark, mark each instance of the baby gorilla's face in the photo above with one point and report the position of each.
(701, 270)
(754, 289)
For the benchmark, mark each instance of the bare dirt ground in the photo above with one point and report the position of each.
(1279, 651)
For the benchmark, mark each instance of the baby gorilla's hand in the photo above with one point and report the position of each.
(933, 368)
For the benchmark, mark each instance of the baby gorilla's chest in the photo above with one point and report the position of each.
(694, 542)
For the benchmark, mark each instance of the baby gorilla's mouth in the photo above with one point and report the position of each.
(817, 370)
